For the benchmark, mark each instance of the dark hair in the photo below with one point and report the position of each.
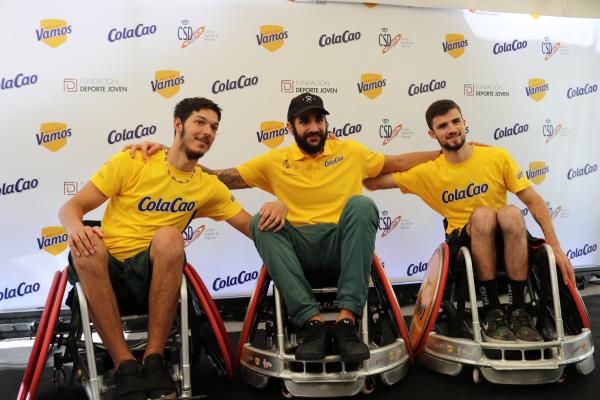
(440, 107)
(185, 107)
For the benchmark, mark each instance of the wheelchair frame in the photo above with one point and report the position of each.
(517, 363)
(329, 377)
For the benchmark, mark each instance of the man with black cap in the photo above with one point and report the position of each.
(330, 227)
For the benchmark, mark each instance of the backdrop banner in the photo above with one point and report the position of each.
(81, 80)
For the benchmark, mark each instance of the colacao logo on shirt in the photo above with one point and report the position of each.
(178, 205)
(471, 190)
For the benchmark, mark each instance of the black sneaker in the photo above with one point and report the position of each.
(158, 380)
(347, 342)
(315, 340)
(496, 329)
(129, 382)
(522, 325)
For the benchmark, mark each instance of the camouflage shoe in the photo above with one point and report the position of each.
(496, 329)
(522, 325)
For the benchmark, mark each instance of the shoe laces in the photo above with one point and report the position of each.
(495, 319)
(349, 331)
(520, 318)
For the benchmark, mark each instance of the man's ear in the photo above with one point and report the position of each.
(177, 125)
(431, 134)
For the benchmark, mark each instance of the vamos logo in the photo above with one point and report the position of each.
(167, 83)
(387, 223)
(338, 38)
(18, 81)
(271, 37)
(582, 171)
(190, 234)
(138, 132)
(128, 33)
(371, 85)
(23, 289)
(232, 84)
(581, 91)
(425, 87)
(585, 250)
(347, 130)
(506, 47)
(271, 133)
(19, 186)
(455, 44)
(53, 32)
(516, 129)
(53, 240)
(229, 280)
(537, 172)
(536, 89)
(53, 135)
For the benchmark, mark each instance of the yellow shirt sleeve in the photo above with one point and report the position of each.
(371, 161)
(254, 172)
(514, 177)
(113, 175)
(409, 181)
(221, 205)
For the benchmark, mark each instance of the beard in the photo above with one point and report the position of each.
(307, 147)
(453, 147)
(189, 153)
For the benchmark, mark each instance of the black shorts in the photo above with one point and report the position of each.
(459, 238)
(130, 280)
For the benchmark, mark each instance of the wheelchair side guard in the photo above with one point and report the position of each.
(215, 312)
(39, 337)
(262, 285)
(429, 299)
(43, 340)
(379, 274)
(212, 318)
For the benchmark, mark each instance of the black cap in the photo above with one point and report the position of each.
(303, 103)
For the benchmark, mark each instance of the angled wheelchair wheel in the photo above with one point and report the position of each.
(429, 299)
(389, 303)
(207, 334)
(45, 337)
(253, 313)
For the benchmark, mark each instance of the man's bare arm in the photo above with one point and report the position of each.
(231, 178)
(380, 182)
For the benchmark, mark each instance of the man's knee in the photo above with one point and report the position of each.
(363, 207)
(167, 243)
(510, 220)
(93, 264)
(483, 220)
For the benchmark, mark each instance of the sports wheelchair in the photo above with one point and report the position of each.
(268, 341)
(445, 332)
(197, 326)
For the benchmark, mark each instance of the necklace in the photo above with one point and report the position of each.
(173, 176)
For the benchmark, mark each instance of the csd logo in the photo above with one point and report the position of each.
(53, 240)
(53, 32)
(53, 135)
(455, 44)
(271, 37)
(386, 41)
(536, 89)
(167, 83)
(550, 131)
(371, 85)
(549, 49)
(387, 132)
(190, 234)
(271, 133)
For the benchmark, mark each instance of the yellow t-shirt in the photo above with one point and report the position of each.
(454, 190)
(143, 197)
(315, 190)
